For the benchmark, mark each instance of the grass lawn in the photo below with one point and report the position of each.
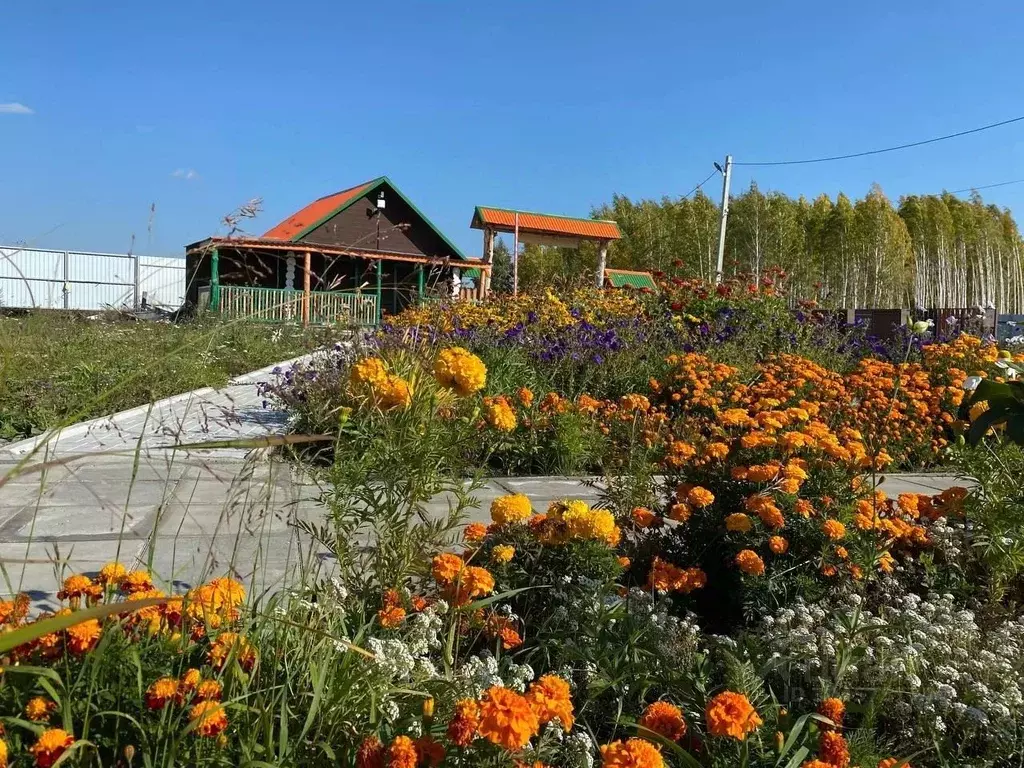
(57, 367)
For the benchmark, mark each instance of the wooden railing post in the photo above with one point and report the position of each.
(305, 289)
(215, 280)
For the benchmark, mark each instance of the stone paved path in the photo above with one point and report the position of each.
(111, 489)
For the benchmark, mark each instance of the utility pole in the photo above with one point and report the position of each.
(726, 177)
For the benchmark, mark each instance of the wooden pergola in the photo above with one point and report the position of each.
(543, 229)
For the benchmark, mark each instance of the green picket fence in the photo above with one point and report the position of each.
(280, 305)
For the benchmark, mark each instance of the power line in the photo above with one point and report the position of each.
(889, 149)
(988, 186)
(699, 185)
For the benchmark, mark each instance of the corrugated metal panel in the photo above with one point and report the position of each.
(162, 280)
(546, 223)
(621, 279)
(40, 294)
(101, 268)
(31, 263)
(90, 296)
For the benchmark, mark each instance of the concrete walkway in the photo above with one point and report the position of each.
(112, 489)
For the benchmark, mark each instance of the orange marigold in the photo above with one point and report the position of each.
(731, 714)
(228, 643)
(136, 581)
(525, 396)
(643, 517)
(632, 753)
(506, 718)
(833, 529)
(476, 581)
(111, 574)
(462, 728)
(209, 717)
(370, 753)
(834, 709)
(401, 753)
(778, 544)
(893, 762)
(209, 690)
(76, 586)
(664, 718)
(83, 636)
(700, 497)
(475, 532)
(738, 522)
(53, 743)
(503, 553)
(750, 562)
(161, 692)
(429, 751)
(833, 750)
(550, 698)
(391, 616)
(446, 567)
(39, 708)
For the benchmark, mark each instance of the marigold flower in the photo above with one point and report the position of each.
(391, 616)
(83, 636)
(227, 643)
(210, 718)
(111, 574)
(834, 709)
(816, 764)
(643, 517)
(513, 508)
(161, 692)
(893, 762)
(499, 414)
(738, 522)
(459, 369)
(506, 719)
(680, 512)
(750, 562)
(716, 451)
(476, 581)
(39, 708)
(429, 752)
(632, 753)
(778, 544)
(503, 553)
(209, 690)
(525, 396)
(886, 562)
(188, 684)
(76, 586)
(136, 581)
(624, 561)
(475, 532)
(370, 753)
(833, 529)
(446, 567)
(368, 372)
(731, 714)
(401, 753)
(393, 393)
(804, 508)
(550, 699)
(462, 728)
(833, 750)
(14, 611)
(700, 497)
(3, 754)
(53, 743)
(664, 718)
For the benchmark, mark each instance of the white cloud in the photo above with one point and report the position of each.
(14, 108)
(188, 174)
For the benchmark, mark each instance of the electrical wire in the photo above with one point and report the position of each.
(699, 185)
(988, 186)
(889, 149)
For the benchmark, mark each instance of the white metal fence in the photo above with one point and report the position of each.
(33, 277)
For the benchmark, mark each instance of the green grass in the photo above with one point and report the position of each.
(57, 367)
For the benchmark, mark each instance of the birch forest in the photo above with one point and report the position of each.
(930, 251)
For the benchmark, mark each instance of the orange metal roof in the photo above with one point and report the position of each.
(543, 223)
(315, 211)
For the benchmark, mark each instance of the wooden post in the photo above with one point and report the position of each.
(305, 288)
(602, 259)
(419, 282)
(485, 276)
(380, 274)
(215, 280)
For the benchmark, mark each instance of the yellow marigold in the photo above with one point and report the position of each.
(462, 728)
(513, 508)
(111, 574)
(789, 485)
(499, 414)
(53, 743)
(738, 522)
(136, 581)
(700, 497)
(393, 393)
(750, 562)
(82, 637)
(161, 692)
(39, 708)
(391, 616)
(368, 372)
(78, 585)
(632, 753)
(716, 451)
(733, 417)
(3, 754)
(503, 553)
(886, 562)
(731, 714)
(401, 753)
(525, 396)
(550, 698)
(506, 719)
(209, 717)
(459, 369)
(833, 529)
(833, 750)
(815, 764)
(778, 544)
(664, 718)
(446, 567)
(475, 532)
(227, 643)
(209, 690)
(188, 684)
(834, 709)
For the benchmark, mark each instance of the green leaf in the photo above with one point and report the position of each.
(985, 421)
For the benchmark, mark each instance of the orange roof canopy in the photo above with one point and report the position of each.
(504, 220)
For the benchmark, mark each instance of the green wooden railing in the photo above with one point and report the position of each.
(279, 305)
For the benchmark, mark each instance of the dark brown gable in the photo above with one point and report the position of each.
(402, 229)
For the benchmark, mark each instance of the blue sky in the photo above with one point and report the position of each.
(552, 106)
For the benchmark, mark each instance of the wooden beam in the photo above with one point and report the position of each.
(305, 288)
(602, 259)
(215, 280)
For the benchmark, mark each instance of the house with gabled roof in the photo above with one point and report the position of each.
(350, 256)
